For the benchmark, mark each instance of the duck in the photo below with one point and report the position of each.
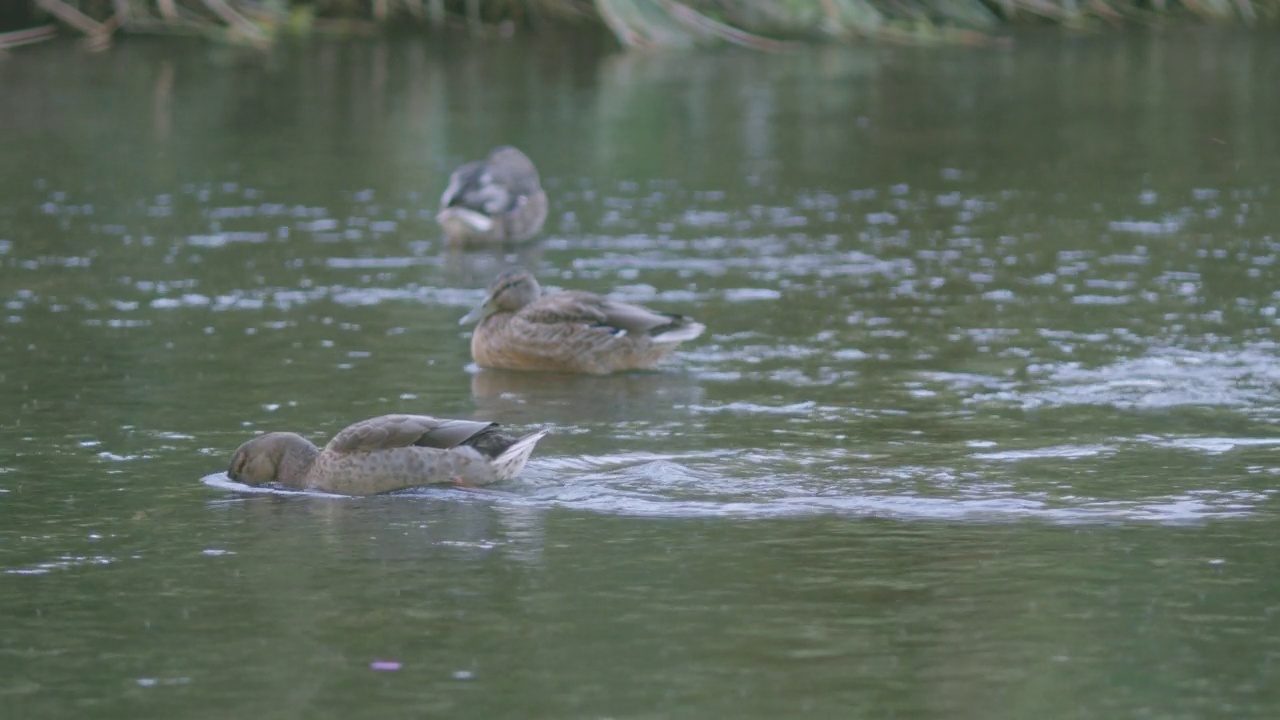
(384, 454)
(496, 200)
(572, 331)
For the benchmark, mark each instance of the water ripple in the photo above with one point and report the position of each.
(1166, 377)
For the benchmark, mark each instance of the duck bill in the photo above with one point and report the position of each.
(482, 311)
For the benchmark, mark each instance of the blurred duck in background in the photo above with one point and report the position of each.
(496, 200)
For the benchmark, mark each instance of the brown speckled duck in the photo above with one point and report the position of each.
(571, 331)
(386, 453)
(496, 200)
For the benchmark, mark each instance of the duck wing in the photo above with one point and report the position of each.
(638, 319)
(473, 186)
(461, 179)
(573, 306)
(398, 431)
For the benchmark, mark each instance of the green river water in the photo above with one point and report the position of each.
(983, 425)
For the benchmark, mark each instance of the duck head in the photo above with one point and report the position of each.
(510, 291)
(274, 457)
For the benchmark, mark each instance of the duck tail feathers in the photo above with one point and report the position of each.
(512, 460)
(687, 330)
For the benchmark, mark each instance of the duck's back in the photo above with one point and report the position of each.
(401, 430)
(391, 452)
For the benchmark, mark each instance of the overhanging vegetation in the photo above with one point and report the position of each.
(762, 24)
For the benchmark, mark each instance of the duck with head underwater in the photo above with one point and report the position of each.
(386, 453)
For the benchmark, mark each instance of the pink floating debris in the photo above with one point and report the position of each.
(384, 665)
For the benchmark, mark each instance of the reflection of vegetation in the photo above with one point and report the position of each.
(639, 23)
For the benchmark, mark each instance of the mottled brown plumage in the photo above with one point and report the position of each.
(571, 331)
(496, 200)
(386, 453)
